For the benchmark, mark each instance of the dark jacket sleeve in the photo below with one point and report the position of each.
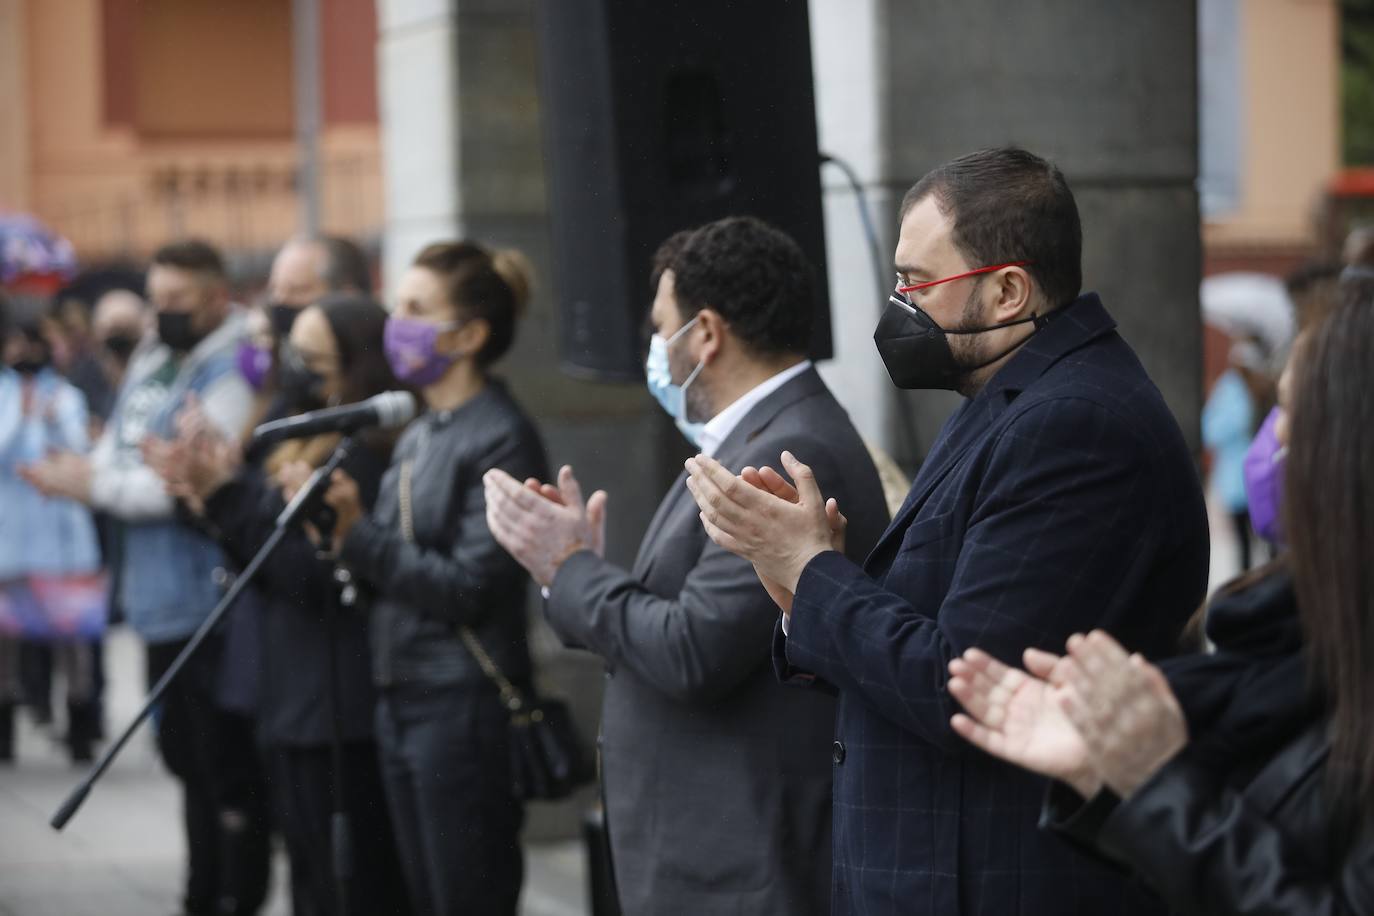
(699, 644)
(1208, 851)
(244, 513)
(470, 578)
(696, 645)
(1059, 525)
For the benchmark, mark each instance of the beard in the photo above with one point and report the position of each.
(969, 349)
(697, 399)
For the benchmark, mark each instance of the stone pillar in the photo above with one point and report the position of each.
(417, 94)
(1108, 91)
(852, 127)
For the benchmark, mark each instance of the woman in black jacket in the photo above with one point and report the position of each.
(315, 681)
(433, 572)
(1224, 781)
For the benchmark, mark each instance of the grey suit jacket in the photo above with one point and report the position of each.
(717, 778)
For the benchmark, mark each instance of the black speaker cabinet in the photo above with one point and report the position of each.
(660, 115)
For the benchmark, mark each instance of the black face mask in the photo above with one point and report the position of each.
(916, 350)
(176, 331)
(121, 346)
(283, 318)
(300, 387)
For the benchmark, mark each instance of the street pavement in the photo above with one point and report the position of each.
(123, 853)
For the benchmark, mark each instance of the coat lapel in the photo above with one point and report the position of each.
(1067, 330)
(662, 520)
(731, 452)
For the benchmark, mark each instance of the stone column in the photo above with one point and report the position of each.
(1108, 91)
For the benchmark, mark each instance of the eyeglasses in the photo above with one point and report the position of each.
(901, 294)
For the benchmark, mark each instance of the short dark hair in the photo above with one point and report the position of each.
(491, 285)
(755, 276)
(1010, 205)
(667, 252)
(346, 265)
(193, 255)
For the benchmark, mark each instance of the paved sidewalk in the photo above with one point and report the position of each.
(122, 855)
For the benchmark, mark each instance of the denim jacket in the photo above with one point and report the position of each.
(39, 535)
(167, 581)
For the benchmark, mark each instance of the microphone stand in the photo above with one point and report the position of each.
(340, 830)
(306, 499)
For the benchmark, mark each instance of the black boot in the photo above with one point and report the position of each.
(246, 856)
(6, 732)
(81, 731)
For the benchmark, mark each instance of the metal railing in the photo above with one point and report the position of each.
(242, 203)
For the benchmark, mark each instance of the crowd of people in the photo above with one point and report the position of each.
(996, 698)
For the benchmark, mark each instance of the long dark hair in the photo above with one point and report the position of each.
(1329, 521)
(357, 323)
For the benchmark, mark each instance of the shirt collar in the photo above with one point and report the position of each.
(719, 428)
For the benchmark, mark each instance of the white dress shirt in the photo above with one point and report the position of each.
(719, 428)
(723, 424)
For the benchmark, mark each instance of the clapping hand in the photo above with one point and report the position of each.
(541, 525)
(1123, 708)
(770, 481)
(1015, 715)
(780, 536)
(199, 461)
(1094, 717)
(62, 475)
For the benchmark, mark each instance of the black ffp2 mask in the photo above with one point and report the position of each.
(121, 346)
(916, 351)
(177, 331)
(299, 385)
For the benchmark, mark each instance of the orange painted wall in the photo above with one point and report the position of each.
(149, 119)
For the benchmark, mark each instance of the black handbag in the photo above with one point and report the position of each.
(547, 761)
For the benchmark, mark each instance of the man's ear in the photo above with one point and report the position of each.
(713, 331)
(1014, 295)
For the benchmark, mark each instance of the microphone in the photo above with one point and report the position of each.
(387, 410)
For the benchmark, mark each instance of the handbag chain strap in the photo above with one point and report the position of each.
(510, 694)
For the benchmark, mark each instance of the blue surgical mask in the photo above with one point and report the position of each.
(660, 381)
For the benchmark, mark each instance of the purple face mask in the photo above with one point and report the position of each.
(1264, 481)
(409, 344)
(254, 364)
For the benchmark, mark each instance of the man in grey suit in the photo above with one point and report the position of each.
(717, 780)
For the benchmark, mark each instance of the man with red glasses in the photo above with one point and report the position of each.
(1060, 497)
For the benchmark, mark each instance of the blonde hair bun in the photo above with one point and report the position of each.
(517, 272)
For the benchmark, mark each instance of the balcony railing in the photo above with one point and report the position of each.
(244, 203)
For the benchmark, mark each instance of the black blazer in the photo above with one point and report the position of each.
(716, 777)
(1061, 498)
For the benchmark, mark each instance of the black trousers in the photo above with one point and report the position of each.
(213, 755)
(302, 780)
(446, 767)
